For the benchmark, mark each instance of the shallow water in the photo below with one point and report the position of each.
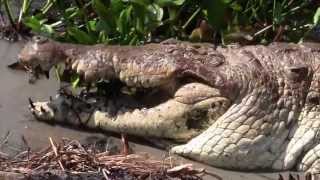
(16, 119)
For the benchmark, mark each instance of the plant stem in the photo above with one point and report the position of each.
(24, 9)
(190, 19)
(47, 6)
(262, 30)
(9, 13)
(82, 6)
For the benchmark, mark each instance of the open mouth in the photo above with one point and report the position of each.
(37, 71)
(177, 110)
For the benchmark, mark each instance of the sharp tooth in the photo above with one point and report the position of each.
(46, 73)
(42, 109)
(134, 80)
(31, 103)
(81, 66)
(74, 65)
(121, 76)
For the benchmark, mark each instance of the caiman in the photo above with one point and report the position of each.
(243, 108)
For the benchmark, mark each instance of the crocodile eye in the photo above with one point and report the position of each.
(39, 39)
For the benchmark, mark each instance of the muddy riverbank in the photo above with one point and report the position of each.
(16, 123)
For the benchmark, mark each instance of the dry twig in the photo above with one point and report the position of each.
(73, 158)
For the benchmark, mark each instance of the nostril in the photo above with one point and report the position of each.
(213, 105)
(313, 98)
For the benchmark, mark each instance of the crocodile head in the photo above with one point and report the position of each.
(40, 55)
(133, 87)
(245, 108)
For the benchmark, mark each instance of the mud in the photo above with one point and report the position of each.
(19, 130)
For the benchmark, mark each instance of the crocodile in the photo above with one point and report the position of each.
(243, 108)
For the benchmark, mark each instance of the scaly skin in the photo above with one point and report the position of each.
(244, 108)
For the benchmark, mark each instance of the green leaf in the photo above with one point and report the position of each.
(141, 2)
(156, 11)
(33, 23)
(124, 20)
(116, 6)
(71, 12)
(81, 36)
(277, 10)
(216, 10)
(57, 74)
(42, 21)
(140, 24)
(103, 25)
(316, 16)
(236, 6)
(173, 12)
(37, 25)
(134, 40)
(47, 29)
(25, 7)
(163, 3)
(103, 38)
(75, 80)
(100, 8)
(92, 25)
(59, 69)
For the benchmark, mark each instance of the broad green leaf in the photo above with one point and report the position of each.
(81, 36)
(141, 2)
(47, 29)
(216, 10)
(173, 11)
(92, 25)
(100, 8)
(33, 23)
(163, 3)
(124, 20)
(103, 25)
(141, 17)
(226, 1)
(103, 38)
(140, 24)
(120, 22)
(116, 6)
(316, 16)
(156, 11)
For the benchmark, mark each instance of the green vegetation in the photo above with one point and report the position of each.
(138, 21)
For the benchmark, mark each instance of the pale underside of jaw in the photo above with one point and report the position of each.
(147, 112)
